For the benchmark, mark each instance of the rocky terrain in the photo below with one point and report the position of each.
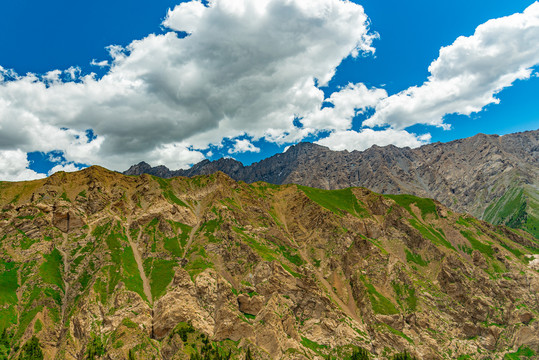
(495, 178)
(98, 265)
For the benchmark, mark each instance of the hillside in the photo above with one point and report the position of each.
(96, 264)
(494, 178)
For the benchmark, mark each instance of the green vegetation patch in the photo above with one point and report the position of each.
(197, 266)
(313, 345)
(160, 272)
(25, 241)
(291, 255)
(64, 197)
(173, 246)
(415, 258)
(183, 237)
(209, 228)
(38, 326)
(478, 245)
(25, 320)
(517, 208)
(198, 346)
(50, 271)
(53, 294)
(95, 349)
(511, 249)
(84, 279)
(8, 282)
(8, 316)
(31, 350)
(292, 272)
(168, 193)
(464, 222)
(505, 207)
(523, 352)
(396, 332)
(131, 274)
(432, 234)
(519, 218)
(405, 295)
(100, 230)
(264, 251)
(101, 289)
(121, 256)
(427, 206)
(380, 304)
(339, 202)
(5, 344)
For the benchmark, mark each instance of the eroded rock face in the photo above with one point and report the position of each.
(156, 268)
(181, 304)
(66, 220)
(250, 304)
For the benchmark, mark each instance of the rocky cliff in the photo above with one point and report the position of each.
(98, 265)
(495, 178)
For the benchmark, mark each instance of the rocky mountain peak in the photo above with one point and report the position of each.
(480, 175)
(138, 169)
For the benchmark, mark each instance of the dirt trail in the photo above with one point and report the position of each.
(66, 272)
(197, 211)
(138, 259)
(344, 307)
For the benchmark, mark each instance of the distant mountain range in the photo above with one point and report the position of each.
(495, 178)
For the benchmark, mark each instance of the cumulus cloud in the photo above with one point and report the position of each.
(242, 146)
(175, 155)
(468, 74)
(246, 68)
(70, 167)
(346, 104)
(361, 140)
(14, 166)
(242, 68)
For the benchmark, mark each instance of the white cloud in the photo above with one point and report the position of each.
(242, 146)
(469, 73)
(175, 156)
(73, 72)
(354, 140)
(52, 76)
(103, 63)
(347, 103)
(14, 166)
(247, 68)
(55, 158)
(64, 167)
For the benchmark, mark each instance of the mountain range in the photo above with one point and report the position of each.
(495, 178)
(99, 265)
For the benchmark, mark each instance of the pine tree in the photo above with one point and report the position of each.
(404, 356)
(131, 355)
(248, 356)
(31, 350)
(360, 354)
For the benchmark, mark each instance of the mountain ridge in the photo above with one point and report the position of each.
(479, 175)
(95, 262)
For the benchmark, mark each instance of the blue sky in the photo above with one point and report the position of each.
(38, 37)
